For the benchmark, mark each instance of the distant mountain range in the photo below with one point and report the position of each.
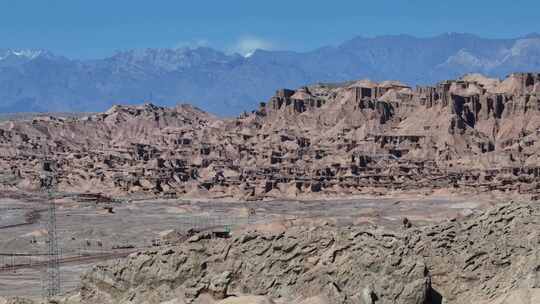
(38, 80)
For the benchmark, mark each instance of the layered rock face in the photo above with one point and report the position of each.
(474, 133)
(488, 258)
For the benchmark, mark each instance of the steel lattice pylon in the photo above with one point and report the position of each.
(52, 276)
(53, 265)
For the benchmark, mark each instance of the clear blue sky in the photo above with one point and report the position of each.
(97, 28)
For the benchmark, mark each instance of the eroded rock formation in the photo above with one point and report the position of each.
(471, 134)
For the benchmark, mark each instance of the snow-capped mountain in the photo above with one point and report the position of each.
(18, 56)
(23, 53)
(37, 80)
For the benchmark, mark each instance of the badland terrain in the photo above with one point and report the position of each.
(340, 187)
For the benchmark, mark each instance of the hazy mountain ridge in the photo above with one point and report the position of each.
(37, 80)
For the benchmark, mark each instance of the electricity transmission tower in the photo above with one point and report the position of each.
(52, 275)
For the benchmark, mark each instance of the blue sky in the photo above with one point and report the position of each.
(97, 28)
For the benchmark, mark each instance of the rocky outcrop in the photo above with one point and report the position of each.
(487, 258)
(16, 300)
(351, 266)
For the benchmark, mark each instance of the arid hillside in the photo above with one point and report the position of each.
(471, 134)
